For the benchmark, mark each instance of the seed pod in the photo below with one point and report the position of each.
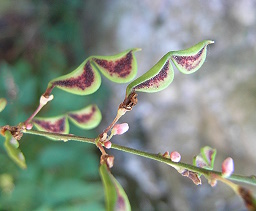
(58, 124)
(86, 118)
(119, 68)
(82, 81)
(161, 74)
(156, 79)
(190, 60)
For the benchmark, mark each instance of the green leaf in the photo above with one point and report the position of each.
(57, 124)
(119, 68)
(79, 206)
(12, 148)
(156, 79)
(116, 198)
(82, 81)
(206, 158)
(190, 60)
(3, 103)
(86, 118)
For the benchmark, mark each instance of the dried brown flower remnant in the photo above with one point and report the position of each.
(129, 102)
(14, 130)
(193, 176)
(108, 159)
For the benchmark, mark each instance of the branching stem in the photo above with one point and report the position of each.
(207, 173)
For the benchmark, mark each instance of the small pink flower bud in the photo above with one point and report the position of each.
(166, 155)
(107, 144)
(29, 126)
(212, 182)
(227, 167)
(175, 156)
(120, 129)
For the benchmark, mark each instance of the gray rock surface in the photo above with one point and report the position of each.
(215, 106)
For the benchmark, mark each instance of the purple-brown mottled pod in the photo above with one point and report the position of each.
(161, 74)
(82, 81)
(156, 79)
(86, 118)
(190, 60)
(57, 124)
(119, 68)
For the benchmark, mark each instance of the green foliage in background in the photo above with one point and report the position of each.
(59, 176)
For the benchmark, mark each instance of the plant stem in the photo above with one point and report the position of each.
(60, 137)
(34, 114)
(119, 114)
(65, 137)
(43, 101)
(244, 179)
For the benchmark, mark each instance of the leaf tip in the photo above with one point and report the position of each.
(3, 103)
(137, 49)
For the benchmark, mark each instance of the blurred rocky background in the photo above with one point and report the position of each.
(40, 40)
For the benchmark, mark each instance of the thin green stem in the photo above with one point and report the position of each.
(60, 137)
(244, 179)
(65, 137)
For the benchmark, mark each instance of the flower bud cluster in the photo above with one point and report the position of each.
(118, 129)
